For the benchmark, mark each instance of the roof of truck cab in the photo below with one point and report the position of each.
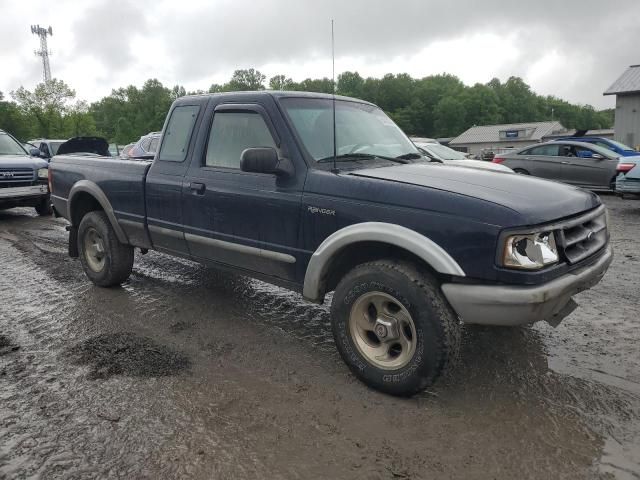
(277, 94)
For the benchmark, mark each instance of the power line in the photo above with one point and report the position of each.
(44, 50)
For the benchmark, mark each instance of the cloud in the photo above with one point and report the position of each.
(573, 48)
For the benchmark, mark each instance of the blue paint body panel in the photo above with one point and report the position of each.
(185, 207)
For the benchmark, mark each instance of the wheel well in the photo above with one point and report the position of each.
(83, 203)
(362, 252)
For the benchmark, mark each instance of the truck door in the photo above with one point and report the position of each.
(163, 188)
(243, 219)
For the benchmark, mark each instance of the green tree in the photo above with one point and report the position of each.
(244, 80)
(350, 84)
(281, 82)
(46, 105)
(449, 117)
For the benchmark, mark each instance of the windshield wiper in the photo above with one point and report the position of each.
(345, 157)
(410, 156)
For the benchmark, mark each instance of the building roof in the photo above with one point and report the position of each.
(512, 132)
(598, 132)
(629, 82)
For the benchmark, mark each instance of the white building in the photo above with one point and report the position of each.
(498, 138)
(627, 92)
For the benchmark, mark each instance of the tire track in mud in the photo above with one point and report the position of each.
(52, 420)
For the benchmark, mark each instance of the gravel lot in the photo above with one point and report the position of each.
(185, 372)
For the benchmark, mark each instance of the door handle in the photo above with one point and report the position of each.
(198, 188)
(565, 163)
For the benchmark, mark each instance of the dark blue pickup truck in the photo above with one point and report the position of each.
(254, 182)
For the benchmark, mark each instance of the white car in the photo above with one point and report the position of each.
(441, 153)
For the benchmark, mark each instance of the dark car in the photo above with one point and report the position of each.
(47, 148)
(613, 145)
(254, 183)
(146, 147)
(23, 178)
(576, 163)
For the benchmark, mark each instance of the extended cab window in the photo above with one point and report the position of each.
(175, 140)
(233, 132)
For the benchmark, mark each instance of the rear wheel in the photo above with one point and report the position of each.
(105, 260)
(393, 327)
(521, 171)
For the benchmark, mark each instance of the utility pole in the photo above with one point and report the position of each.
(44, 50)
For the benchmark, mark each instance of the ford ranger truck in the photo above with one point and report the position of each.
(252, 182)
(23, 179)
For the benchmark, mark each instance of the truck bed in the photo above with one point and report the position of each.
(122, 181)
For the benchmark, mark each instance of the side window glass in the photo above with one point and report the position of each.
(44, 149)
(545, 150)
(233, 132)
(175, 140)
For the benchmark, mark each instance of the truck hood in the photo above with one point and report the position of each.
(21, 161)
(537, 200)
(96, 145)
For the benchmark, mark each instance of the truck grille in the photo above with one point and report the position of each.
(583, 236)
(13, 177)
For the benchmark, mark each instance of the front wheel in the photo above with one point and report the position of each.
(105, 260)
(393, 327)
(44, 208)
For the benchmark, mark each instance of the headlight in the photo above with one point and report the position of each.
(530, 252)
(43, 173)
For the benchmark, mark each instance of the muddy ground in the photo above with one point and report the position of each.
(185, 372)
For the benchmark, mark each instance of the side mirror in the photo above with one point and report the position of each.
(34, 152)
(264, 160)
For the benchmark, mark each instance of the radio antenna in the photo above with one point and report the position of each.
(333, 97)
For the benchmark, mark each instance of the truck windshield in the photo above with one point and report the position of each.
(361, 129)
(8, 146)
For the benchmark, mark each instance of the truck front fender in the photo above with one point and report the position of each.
(388, 233)
(96, 192)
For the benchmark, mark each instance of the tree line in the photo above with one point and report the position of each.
(433, 106)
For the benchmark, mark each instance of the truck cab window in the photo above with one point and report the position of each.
(233, 132)
(175, 140)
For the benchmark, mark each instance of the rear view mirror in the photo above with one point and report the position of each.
(264, 160)
(34, 152)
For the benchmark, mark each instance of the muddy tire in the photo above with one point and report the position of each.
(105, 260)
(44, 208)
(393, 327)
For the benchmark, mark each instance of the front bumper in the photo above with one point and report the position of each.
(505, 305)
(14, 193)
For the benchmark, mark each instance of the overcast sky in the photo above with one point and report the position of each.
(573, 49)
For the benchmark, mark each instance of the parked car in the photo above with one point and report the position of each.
(576, 163)
(253, 183)
(440, 153)
(146, 147)
(47, 148)
(628, 179)
(23, 178)
(124, 152)
(617, 147)
(114, 149)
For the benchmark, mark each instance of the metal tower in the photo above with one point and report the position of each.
(44, 50)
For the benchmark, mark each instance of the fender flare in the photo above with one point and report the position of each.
(389, 233)
(96, 192)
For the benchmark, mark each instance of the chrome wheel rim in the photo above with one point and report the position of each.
(382, 330)
(94, 251)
